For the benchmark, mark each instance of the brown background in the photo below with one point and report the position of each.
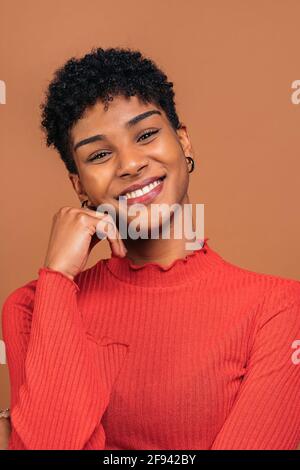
(232, 62)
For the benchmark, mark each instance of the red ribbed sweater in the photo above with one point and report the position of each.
(197, 355)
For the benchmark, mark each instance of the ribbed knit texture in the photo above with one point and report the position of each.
(195, 355)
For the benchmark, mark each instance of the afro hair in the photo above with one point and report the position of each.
(100, 75)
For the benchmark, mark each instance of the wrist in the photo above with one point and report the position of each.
(57, 269)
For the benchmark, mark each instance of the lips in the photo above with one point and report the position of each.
(146, 198)
(145, 182)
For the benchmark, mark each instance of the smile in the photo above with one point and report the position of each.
(144, 194)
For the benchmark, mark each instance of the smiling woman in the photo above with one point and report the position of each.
(155, 347)
(135, 140)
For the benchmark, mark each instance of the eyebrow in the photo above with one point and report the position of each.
(132, 122)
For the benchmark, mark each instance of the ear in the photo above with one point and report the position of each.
(184, 140)
(78, 187)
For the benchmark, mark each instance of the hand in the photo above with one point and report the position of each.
(73, 236)
(5, 430)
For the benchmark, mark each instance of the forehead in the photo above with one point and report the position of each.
(120, 110)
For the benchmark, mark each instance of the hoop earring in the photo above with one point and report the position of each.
(191, 160)
(84, 203)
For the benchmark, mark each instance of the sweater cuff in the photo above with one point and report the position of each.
(48, 272)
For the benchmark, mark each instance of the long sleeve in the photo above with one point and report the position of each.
(213, 363)
(266, 412)
(59, 385)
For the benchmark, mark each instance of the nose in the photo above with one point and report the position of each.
(131, 164)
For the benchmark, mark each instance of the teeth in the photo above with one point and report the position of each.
(144, 190)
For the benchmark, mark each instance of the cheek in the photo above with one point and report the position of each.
(182, 185)
(176, 185)
(98, 186)
(179, 176)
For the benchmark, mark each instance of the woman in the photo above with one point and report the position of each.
(157, 347)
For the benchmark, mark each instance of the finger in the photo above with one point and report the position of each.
(115, 237)
(107, 228)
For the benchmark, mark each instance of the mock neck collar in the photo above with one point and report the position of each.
(195, 265)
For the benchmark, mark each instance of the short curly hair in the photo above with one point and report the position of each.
(100, 75)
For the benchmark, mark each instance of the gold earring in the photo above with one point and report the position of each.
(191, 160)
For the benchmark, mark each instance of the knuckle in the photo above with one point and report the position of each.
(81, 217)
(64, 209)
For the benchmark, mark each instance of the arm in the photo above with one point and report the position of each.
(59, 390)
(266, 412)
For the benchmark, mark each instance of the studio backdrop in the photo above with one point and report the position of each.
(236, 72)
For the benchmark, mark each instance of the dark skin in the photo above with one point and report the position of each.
(5, 430)
(129, 161)
(126, 157)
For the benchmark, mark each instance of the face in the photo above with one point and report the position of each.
(116, 148)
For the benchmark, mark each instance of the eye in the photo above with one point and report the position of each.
(95, 157)
(148, 133)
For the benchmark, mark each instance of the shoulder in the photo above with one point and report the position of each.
(263, 285)
(22, 297)
(17, 310)
(261, 296)
(276, 300)
(18, 305)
